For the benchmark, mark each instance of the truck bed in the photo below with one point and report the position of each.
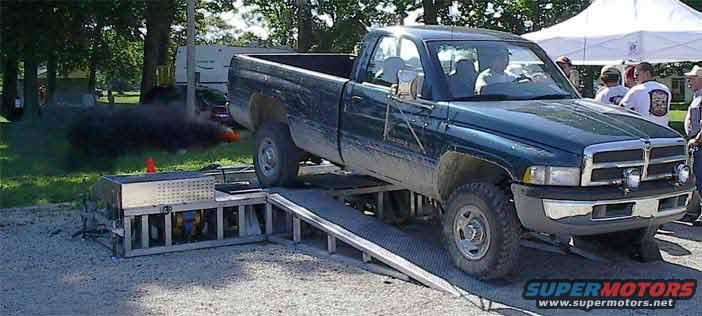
(308, 87)
(339, 65)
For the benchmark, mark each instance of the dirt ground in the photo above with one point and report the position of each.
(45, 271)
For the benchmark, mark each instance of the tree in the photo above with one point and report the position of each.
(327, 25)
(159, 16)
(279, 17)
(9, 48)
(429, 16)
(122, 61)
(304, 26)
(515, 16)
(695, 4)
(347, 22)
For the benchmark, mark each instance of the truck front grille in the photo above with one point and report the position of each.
(604, 164)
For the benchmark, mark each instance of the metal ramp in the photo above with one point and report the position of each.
(418, 258)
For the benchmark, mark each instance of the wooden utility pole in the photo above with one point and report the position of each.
(190, 108)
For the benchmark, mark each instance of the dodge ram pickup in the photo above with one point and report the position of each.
(482, 122)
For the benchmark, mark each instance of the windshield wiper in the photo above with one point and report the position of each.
(485, 97)
(559, 96)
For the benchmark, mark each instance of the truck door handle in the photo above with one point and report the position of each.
(356, 99)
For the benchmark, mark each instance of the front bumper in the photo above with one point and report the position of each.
(589, 211)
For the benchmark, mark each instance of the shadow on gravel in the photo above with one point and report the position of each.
(536, 264)
(683, 231)
(672, 248)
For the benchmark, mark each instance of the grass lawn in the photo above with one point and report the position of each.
(677, 118)
(38, 165)
(129, 97)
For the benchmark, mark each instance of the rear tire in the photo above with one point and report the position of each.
(481, 231)
(277, 160)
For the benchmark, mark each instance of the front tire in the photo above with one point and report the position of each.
(277, 160)
(481, 231)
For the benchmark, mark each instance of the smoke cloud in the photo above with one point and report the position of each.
(109, 133)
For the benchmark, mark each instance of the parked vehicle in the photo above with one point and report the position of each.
(481, 121)
(209, 102)
(212, 64)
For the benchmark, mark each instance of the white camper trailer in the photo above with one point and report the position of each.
(212, 64)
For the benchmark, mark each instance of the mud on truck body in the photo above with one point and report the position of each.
(481, 121)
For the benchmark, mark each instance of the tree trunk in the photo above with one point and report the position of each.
(31, 84)
(159, 17)
(95, 51)
(51, 70)
(429, 12)
(9, 91)
(304, 26)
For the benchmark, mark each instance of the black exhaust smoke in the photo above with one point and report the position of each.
(109, 133)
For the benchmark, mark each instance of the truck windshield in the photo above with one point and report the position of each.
(499, 71)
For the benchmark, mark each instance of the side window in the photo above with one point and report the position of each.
(385, 55)
(410, 55)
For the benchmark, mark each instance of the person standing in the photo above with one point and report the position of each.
(693, 119)
(613, 92)
(649, 98)
(629, 81)
(566, 65)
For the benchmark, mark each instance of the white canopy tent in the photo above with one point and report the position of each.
(623, 31)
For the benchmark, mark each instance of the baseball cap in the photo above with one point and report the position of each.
(695, 72)
(610, 74)
(609, 70)
(564, 60)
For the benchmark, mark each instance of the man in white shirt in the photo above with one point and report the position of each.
(693, 128)
(649, 98)
(613, 92)
(497, 60)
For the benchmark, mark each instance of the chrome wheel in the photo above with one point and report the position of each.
(268, 157)
(471, 232)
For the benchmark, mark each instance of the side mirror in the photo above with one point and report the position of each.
(409, 84)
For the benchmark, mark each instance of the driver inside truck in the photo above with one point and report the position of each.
(497, 60)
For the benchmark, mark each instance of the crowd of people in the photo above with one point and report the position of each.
(638, 90)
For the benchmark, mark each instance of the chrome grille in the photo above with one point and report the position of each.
(604, 164)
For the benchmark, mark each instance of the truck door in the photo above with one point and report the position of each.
(380, 134)
(363, 114)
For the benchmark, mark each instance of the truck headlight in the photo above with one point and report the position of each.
(544, 175)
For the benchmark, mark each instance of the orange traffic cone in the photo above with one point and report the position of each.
(150, 165)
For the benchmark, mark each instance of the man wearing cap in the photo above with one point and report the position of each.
(566, 65)
(649, 98)
(693, 119)
(497, 60)
(613, 92)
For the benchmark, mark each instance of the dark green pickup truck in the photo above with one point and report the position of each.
(481, 121)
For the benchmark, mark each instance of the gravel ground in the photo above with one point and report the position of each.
(44, 271)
